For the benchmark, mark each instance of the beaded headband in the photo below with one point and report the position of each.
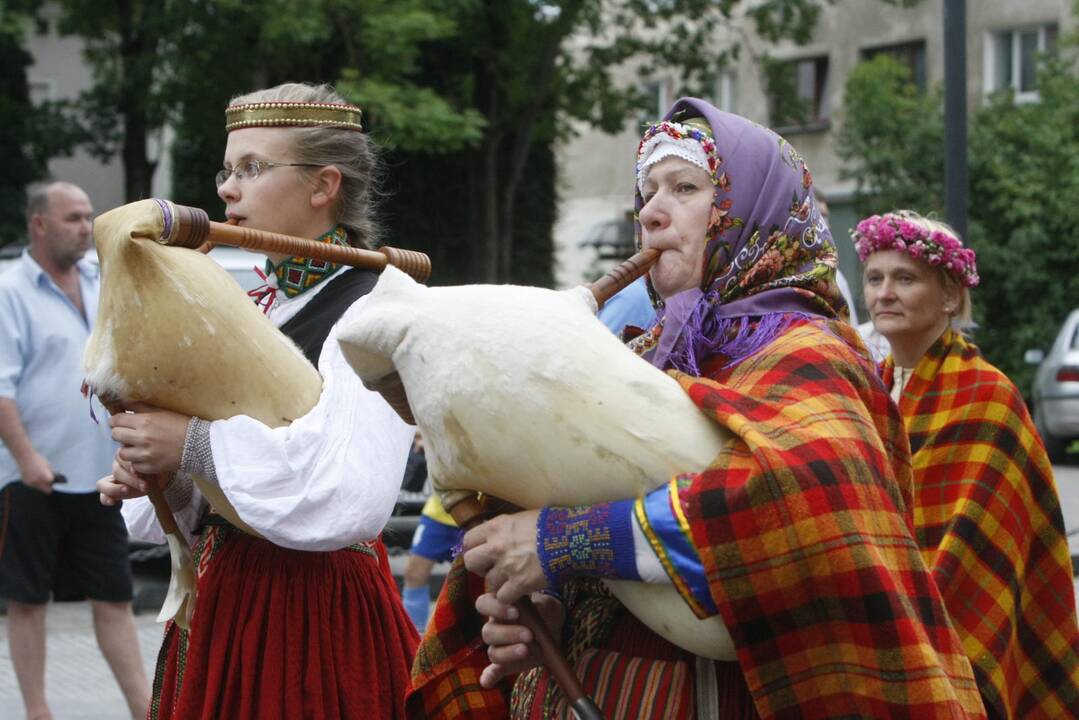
(936, 247)
(292, 114)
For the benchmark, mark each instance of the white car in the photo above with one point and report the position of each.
(240, 263)
(1056, 389)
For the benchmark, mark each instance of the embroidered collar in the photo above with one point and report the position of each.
(296, 274)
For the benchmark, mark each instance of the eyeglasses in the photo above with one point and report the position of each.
(250, 169)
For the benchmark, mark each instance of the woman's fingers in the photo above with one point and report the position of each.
(490, 606)
(510, 645)
(503, 551)
(152, 439)
(496, 632)
(479, 559)
(109, 488)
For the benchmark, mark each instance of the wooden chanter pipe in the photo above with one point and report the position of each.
(192, 228)
(468, 510)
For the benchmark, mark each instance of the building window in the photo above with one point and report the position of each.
(727, 91)
(910, 54)
(797, 93)
(657, 95)
(1011, 59)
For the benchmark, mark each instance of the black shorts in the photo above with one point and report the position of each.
(68, 544)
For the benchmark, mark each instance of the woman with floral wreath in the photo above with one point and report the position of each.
(986, 512)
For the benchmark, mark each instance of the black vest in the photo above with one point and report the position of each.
(310, 326)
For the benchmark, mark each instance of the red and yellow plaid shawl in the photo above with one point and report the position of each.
(988, 519)
(802, 527)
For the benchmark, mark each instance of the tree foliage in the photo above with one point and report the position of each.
(29, 134)
(891, 139)
(1024, 173)
(1024, 178)
(490, 81)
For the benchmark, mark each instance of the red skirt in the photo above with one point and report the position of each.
(627, 669)
(282, 633)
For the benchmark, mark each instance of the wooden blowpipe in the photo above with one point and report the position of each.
(191, 228)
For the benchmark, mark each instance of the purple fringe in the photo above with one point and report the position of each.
(706, 333)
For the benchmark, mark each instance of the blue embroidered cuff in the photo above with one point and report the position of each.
(593, 540)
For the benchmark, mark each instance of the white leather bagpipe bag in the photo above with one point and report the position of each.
(176, 331)
(521, 393)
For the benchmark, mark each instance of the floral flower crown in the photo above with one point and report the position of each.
(936, 247)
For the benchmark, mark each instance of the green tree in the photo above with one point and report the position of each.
(155, 60)
(15, 130)
(890, 139)
(126, 49)
(29, 135)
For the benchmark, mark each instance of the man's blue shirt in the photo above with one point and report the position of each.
(42, 339)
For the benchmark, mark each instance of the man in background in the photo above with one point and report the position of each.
(56, 538)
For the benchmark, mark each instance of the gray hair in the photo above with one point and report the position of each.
(37, 196)
(349, 151)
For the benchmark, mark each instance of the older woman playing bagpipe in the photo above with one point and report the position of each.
(798, 535)
(986, 511)
(297, 614)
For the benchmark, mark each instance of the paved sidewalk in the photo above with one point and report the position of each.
(79, 684)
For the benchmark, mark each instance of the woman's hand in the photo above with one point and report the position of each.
(152, 439)
(503, 550)
(511, 648)
(123, 484)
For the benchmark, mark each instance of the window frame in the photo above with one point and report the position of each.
(900, 51)
(994, 40)
(819, 116)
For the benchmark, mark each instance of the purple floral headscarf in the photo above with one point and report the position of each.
(769, 260)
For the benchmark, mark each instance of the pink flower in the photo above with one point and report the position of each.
(908, 230)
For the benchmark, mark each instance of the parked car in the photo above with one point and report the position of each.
(1055, 393)
(240, 263)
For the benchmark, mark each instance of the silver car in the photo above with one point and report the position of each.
(239, 263)
(1056, 389)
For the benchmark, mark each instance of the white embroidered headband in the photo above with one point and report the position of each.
(662, 145)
